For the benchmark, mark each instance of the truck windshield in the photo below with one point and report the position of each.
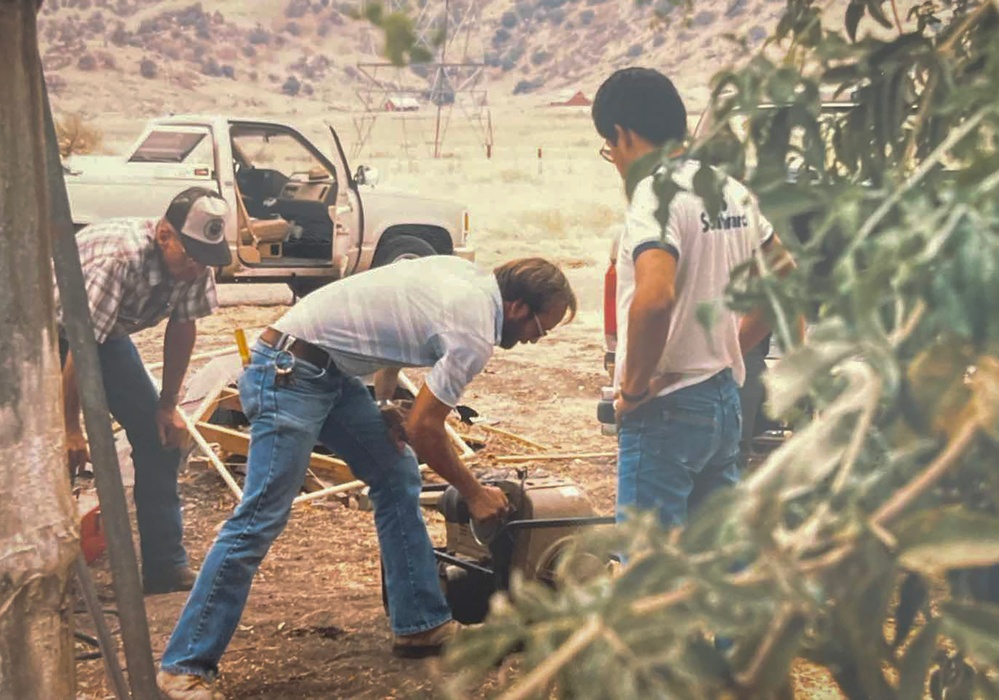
(169, 146)
(278, 150)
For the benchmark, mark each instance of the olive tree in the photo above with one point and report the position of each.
(867, 542)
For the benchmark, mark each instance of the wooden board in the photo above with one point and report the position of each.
(236, 442)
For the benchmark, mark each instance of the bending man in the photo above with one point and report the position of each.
(302, 387)
(138, 272)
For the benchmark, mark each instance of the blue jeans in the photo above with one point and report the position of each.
(677, 449)
(286, 421)
(132, 400)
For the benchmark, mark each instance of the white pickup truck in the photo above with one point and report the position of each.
(297, 215)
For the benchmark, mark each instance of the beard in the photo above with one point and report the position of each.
(508, 337)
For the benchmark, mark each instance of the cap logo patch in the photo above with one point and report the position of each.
(214, 230)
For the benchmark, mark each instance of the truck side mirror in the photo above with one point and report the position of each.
(366, 176)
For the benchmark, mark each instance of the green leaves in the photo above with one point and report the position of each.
(889, 201)
(936, 541)
(855, 12)
(975, 628)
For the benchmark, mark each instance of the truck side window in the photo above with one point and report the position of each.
(174, 146)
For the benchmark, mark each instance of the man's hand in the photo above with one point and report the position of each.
(171, 427)
(395, 422)
(623, 407)
(77, 451)
(487, 503)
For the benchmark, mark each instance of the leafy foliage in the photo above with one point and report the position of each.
(891, 209)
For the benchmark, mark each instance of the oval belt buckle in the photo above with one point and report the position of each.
(284, 363)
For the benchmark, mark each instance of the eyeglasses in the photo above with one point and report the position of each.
(605, 153)
(541, 331)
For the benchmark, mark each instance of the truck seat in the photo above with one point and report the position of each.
(269, 230)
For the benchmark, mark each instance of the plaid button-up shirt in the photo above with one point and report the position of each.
(128, 286)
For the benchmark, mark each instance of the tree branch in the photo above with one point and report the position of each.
(544, 672)
(927, 165)
(904, 497)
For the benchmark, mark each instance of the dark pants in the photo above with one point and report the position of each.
(751, 397)
(132, 400)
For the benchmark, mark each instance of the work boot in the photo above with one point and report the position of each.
(181, 578)
(179, 686)
(423, 644)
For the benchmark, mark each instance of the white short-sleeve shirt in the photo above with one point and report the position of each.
(707, 249)
(440, 312)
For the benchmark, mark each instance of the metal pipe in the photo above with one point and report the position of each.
(114, 508)
(109, 650)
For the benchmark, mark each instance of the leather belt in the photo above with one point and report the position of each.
(302, 349)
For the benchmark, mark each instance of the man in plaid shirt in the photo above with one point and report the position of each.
(138, 272)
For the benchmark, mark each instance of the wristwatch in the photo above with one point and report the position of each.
(634, 398)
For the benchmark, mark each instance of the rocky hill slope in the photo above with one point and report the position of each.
(175, 55)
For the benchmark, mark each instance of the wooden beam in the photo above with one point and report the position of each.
(338, 489)
(237, 442)
(515, 459)
(463, 449)
(201, 442)
(513, 436)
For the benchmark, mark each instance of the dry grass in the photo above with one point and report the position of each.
(76, 136)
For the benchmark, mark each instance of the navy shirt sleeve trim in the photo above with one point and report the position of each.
(658, 245)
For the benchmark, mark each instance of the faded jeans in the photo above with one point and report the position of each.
(675, 450)
(286, 421)
(132, 400)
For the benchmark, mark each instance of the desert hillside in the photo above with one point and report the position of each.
(145, 57)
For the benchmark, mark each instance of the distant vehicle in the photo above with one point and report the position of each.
(298, 216)
(753, 395)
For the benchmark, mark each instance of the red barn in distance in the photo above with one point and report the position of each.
(401, 103)
(570, 98)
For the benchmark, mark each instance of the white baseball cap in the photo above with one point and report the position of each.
(199, 216)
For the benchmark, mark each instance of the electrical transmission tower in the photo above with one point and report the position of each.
(450, 30)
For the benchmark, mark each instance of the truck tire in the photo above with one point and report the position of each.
(401, 247)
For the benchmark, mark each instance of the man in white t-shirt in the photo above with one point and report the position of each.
(680, 348)
(302, 387)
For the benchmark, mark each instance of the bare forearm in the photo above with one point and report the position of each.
(386, 381)
(648, 329)
(70, 396)
(753, 328)
(434, 447)
(178, 343)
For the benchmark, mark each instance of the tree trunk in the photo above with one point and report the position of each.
(38, 533)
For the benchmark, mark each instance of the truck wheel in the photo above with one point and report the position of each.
(401, 248)
(301, 286)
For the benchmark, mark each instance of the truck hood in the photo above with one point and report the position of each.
(93, 164)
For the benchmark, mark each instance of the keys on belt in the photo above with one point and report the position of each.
(289, 348)
(284, 363)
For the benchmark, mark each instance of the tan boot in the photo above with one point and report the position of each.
(177, 686)
(422, 644)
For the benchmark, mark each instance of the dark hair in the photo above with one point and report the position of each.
(536, 282)
(641, 100)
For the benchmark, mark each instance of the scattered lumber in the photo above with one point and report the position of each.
(512, 436)
(553, 456)
(463, 449)
(237, 442)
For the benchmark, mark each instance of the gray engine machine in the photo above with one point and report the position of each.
(477, 560)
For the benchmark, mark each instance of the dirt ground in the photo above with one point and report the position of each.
(314, 626)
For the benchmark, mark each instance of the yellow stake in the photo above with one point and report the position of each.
(244, 350)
